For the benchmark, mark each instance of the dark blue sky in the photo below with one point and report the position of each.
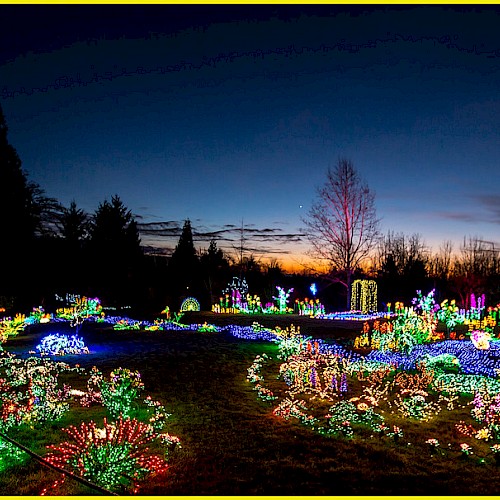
(231, 113)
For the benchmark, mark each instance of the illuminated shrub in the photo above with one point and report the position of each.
(408, 329)
(38, 315)
(81, 309)
(11, 327)
(207, 328)
(120, 391)
(442, 363)
(289, 341)
(10, 455)
(343, 415)
(32, 393)
(60, 345)
(115, 457)
(486, 411)
(127, 324)
(450, 315)
(292, 408)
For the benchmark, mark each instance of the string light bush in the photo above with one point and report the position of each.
(127, 324)
(120, 391)
(344, 417)
(38, 315)
(207, 328)
(480, 339)
(61, 345)
(486, 411)
(11, 455)
(116, 457)
(34, 393)
(450, 315)
(289, 340)
(92, 395)
(81, 308)
(11, 327)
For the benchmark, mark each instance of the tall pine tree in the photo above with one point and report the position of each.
(16, 223)
(215, 272)
(184, 265)
(116, 252)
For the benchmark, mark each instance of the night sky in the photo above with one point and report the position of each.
(231, 115)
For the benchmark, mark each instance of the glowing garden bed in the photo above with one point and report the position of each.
(339, 393)
(333, 390)
(130, 446)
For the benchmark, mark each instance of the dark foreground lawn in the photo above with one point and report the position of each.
(231, 442)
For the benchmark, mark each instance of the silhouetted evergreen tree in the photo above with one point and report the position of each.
(184, 266)
(215, 272)
(15, 199)
(27, 223)
(116, 252)
(74, 225)
(16, 223)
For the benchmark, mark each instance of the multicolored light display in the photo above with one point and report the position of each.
(190, 304)
(61, 345)
(119, 392)
(115, 457)
(364, 296)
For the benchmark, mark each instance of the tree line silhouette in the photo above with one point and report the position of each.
(48, 249)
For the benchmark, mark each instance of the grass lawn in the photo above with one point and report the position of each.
(232, 444)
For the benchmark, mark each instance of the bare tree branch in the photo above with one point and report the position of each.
(342, 223)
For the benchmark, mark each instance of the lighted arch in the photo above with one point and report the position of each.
(190, 304)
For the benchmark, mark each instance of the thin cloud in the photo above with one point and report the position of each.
(460, 216)
(487, 210)
(265, 240)
(491, 203)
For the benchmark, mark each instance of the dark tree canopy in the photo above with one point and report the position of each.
(402, 266)
(15, 195)
(114, 227)
(184, 265)
(115, 250)
(185, 252)
(74, 225)
(214, 271)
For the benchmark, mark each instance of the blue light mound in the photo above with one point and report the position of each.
(58, 344)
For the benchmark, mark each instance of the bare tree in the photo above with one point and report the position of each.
(478, 260)
(342, 225)
(401, 253)
(440, 264)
